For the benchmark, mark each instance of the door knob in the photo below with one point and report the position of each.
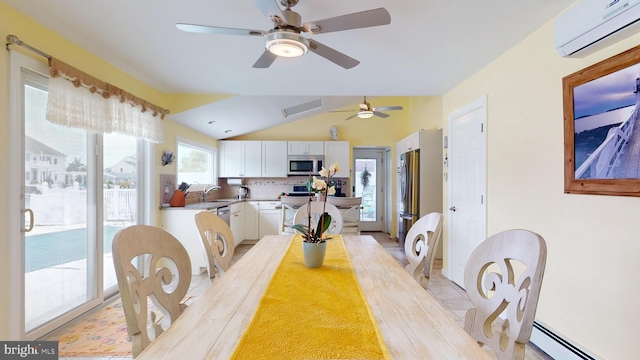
(453, 208)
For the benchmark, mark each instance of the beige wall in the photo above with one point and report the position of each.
(425, 112)
(589, 291)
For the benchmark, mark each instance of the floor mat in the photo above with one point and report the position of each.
(103, 334)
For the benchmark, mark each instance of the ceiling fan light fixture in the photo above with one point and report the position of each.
(286, 44)
(365, 114)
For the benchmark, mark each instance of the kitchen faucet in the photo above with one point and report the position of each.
(205, 191)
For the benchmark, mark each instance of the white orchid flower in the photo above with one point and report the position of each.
(319, 184)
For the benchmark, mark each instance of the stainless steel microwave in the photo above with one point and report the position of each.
(304, 164)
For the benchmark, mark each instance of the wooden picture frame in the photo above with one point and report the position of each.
(600, 117)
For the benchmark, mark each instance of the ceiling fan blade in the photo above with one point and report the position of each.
(265, 60)
(357, 20)
(270, 9)
(382, 115)
(388, 108)
(332, 55)
(352, 116)
(205, 29)
(297, 109)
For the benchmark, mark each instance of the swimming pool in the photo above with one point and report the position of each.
(60, 247)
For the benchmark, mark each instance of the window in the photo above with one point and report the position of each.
(197, 163)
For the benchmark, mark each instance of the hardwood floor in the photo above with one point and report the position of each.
(448, 294)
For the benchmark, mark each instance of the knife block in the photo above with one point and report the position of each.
(177, 200)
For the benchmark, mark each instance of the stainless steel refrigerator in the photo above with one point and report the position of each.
(409, 205)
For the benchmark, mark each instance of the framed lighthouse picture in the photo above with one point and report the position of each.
(601, 127)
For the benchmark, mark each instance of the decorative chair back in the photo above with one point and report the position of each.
(290, 204)
(502, 279)
(153, 265)
(302, 216)
(350, 209)
(217, 241)
(420, 246)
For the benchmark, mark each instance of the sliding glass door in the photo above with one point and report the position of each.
(120, 196)
(59, 250)
(77, 189)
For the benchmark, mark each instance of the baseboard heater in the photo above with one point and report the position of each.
(555, 346)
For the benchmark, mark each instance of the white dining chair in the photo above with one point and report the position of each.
(151, 265)
(502, 279)
(350, 209)
(217, 241)
(420, 246)
(316, 209)
(290, 204)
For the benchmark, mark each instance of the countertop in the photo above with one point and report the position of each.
(212, 204)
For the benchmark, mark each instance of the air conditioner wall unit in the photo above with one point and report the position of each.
(591, 25)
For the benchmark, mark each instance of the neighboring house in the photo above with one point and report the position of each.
(123, 170)
(43, 163)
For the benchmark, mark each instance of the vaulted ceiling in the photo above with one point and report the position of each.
(428, 48)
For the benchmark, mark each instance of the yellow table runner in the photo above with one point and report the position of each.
(313, 313)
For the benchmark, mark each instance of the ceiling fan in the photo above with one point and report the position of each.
(366, 111)
(286, 40)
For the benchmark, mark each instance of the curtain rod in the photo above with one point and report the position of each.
(13, 40)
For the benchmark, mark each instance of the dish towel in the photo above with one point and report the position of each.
(316, 313)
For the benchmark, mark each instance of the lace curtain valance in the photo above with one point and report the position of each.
(79, 100)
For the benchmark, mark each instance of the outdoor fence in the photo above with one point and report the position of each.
(68, 206)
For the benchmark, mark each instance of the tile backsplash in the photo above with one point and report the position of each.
(259, 188)
(268, 188)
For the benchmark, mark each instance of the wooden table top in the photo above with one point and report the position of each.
(412, 323)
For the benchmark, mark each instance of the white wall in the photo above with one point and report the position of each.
(590, 292)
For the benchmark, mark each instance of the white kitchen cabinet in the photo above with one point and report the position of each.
(411, 142)
(337, 151)
(251, 220)
(269, 221)
(274, 159)
(236, 223)
(240, 158)
(230, 158)
(181, 223)
(305, 147)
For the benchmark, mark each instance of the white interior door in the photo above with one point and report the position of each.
(369, 184)
(467, 184)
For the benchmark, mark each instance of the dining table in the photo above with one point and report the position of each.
(411, 323)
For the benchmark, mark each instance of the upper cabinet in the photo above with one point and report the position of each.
(274, 159)
(337, 151)
(411, 142)
(306, 147)
(268, 159)
(240, 158)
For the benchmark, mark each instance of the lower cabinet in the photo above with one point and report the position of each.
(236, 223)
(181, 223)
(269, 221)
(251, 216)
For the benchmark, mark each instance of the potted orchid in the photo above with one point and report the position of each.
(314, 244)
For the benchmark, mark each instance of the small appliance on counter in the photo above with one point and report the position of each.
(338, 187)
(298, 190)
(243, 192)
